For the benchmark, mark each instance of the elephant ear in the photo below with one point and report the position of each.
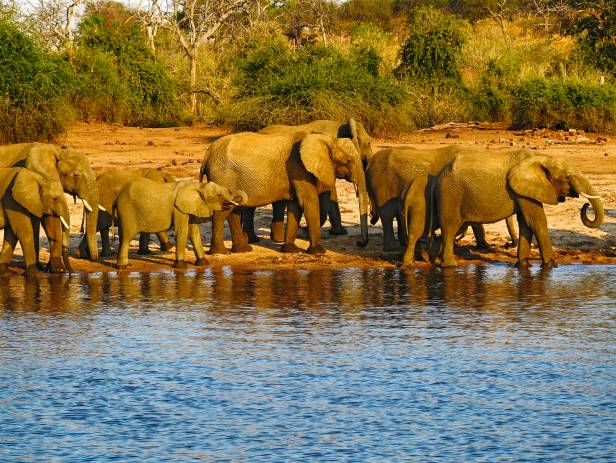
(42, 158)
(27, 191)
(190, 201)
(315, 152)
(354, 136)
(531, 178)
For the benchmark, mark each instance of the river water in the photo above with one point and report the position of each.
(474, 364)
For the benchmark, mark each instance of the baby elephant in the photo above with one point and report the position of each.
(146, 206)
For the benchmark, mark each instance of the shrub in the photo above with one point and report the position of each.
(562, 104)
(122, 81)
(433, 48)
(278, 85)
(35, 89)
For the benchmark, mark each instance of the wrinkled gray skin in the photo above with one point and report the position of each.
(147, 206)
(399, 182)
(474, 187)
(328, 201)
(109, 184)
(293, 167)
(72, 169)
(25, 198)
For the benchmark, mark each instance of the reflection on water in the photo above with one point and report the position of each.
(480, 363)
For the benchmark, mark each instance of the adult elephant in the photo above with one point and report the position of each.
(399, 182)
(292, 167)
(109, 185)
(72, 169)
(328, 201)
(474, 187)
(25, 197)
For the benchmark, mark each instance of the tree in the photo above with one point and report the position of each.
(56, 21)
(196, 22)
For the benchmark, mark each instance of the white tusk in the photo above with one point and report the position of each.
(64, 223)
(590, 196)
(102, 208)
(234, 203)
(86, 205)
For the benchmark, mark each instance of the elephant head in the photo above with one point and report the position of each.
(40, 196)
(203, 199)
(549, 180)
(361, 140)
(76, 177)
(329, 158)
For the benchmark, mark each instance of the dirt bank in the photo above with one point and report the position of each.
(179, 151)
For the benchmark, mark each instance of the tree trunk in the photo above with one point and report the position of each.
(193, 82)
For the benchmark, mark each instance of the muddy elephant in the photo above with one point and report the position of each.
(109, 184)
(328, 201)
(72, 169)
(147, 206)
(292, 167)
(26, 197)
(399, 181)
(474, 187)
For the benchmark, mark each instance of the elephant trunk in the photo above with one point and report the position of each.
(91, 196)
(359, 178)
(584, 188)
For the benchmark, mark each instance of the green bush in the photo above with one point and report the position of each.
(433, 48)
(278, 85)
(562, 104)
(35, 89)
(492, 95)
(122, 81)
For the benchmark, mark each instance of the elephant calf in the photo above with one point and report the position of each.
(25, 197)
(146, 206)
(110, 183)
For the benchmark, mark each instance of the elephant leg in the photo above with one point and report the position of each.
(238, 237)
(217, 245)
(53, 230)
(534, 216)
(8, 248)
(335, 219)
(277, 233)
(163, 239)
(248, 224)
(311, 212)
(524, 242)
(416, 218)
(387, 220)
(126, 233)
(324, 203)
(106, 245)
(512, 232)
(194, 233)
(294, 214)
(144, 244)
(401, 229)
(180, 221)
(480, 237)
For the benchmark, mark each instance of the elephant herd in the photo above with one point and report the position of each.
(294, 168)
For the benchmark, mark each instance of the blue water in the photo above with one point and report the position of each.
(477, 364)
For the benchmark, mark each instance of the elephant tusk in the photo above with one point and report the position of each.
(102, 208)
(590, 196)
(234, 203)
(64, 223)
(86, 205)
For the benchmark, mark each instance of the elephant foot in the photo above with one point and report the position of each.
(316, 250)
(252, 239)
(4, 269)
(338, 231)
(106, 252)
(55, 265)
(290, 248)
(41, 266)
(482, 246)
(32, 272)
(67, 261)
(277, 233)
(448, 264)
(179, 264)
(549, 264)
(391, 247)
(144, 251)
(522, 264)
(201, 262)
(510, 244)
(218, 250)
(241, 247)
(166, 247)
(122, 266)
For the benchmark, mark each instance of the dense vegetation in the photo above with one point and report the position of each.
(393, 64)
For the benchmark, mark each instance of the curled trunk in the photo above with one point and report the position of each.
(583, 187)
